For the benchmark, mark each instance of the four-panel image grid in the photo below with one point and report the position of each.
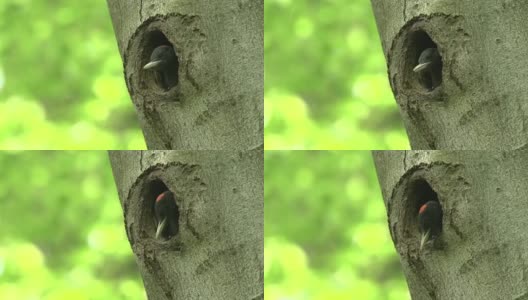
(250, 149)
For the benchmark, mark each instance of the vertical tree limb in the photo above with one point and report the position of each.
(218, 250)
(217, 102)
(480, 103)
(480, 253)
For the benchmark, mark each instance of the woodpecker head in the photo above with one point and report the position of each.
(162, 57)
(167, 214)
(430, 221)
(427, 59)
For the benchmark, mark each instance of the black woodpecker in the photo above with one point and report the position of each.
(430, 221)
(429, 65)
(167, 215)
(164, 62)
(428, 58)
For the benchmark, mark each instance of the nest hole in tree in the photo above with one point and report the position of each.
(419, 193)
(152, 190)
(429, 76)
(166, 75)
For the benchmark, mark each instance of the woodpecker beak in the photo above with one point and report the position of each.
(424, 239)
(161, 225)
(419, 67)
(152, 64)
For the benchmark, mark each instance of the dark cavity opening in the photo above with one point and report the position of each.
(428, 76)
(161, 210)
(165, 73)
(419, 193)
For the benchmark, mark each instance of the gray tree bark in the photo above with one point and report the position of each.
(218, 100)
(481, 102)
(218, 250)
(481, 252)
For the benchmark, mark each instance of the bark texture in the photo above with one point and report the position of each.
(481, 252)
(481, 103)
(218, 251)
(218, 100)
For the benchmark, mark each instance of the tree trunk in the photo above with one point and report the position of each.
(481, 251)
(217, 252)
(217, 101)
(480, 102)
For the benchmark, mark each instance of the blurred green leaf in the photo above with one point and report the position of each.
(62, 87)
(326, 233)
(326, 83)
(61, 229)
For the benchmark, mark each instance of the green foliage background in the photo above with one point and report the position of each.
(326, 83)
(61, 78)
(326, 234)
(62, 87)
(61, 229)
